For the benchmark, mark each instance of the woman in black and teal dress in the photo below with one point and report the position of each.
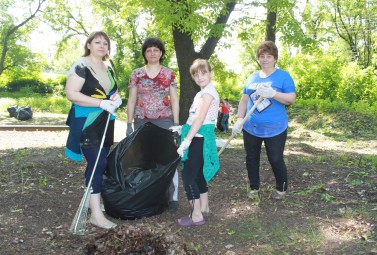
(92, 89)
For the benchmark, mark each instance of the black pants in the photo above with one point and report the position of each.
(275, 154)
(192, 174)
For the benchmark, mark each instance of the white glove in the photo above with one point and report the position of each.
(237, 127)
(177, 129)
(108, 105)
(265, 91)
(116, 99)
(183, 147)
(130, 130)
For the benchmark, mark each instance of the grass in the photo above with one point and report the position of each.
(344, 124)
(279, 236)
(40, 103)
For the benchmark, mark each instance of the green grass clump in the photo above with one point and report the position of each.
(37, 102)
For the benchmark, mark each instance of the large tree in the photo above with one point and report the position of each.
(355, 24)
(11, 35)
(195, 27)
(184, 42)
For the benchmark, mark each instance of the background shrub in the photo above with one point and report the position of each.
(32, 85)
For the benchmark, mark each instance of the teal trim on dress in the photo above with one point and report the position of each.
(112, 80)
(84, 111)
(91, 114)
(211, 159)
(74, 156)
(91, 118)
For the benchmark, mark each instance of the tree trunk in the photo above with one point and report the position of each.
(185, 53)
(271, 23)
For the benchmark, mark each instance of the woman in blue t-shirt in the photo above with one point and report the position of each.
(269, 122)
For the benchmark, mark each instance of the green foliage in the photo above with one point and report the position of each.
(248, 56)
(316, 76)
(67, 53)
(326, 197)
(357, 84)
(15, 28)
(354, 25)
(48, 83)
(228, 83)
(32, 85)
(339, 83)
(42, 182)
(293, 31)
(310, 190)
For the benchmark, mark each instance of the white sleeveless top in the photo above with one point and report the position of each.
(213, 110)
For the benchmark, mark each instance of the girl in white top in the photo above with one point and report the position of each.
(200, 161)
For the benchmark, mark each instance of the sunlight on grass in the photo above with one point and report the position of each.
(48, 103)
(5, 102)
(347, 230)
(319, 140)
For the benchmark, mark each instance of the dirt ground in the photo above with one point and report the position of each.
(331, 207)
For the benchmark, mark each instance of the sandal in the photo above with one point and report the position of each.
(107, 225)
(205, 215)
(186, 221)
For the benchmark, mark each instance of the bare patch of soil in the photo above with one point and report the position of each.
(330, 208)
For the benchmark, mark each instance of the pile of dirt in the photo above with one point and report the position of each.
(139, 239)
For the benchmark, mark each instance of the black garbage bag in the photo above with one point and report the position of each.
(139, 172)
(12, 111)
(24, 113)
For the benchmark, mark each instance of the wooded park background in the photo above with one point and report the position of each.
(328, 46)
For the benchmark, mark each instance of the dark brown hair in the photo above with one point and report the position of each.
(153, 42)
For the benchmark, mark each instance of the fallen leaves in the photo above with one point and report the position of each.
(139, 239)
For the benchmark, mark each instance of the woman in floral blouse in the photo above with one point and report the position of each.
(153, 98)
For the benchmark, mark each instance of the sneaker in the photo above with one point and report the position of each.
(254, 196)
(278, 195)
(173, 206)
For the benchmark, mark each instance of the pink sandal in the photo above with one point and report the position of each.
(186, 221)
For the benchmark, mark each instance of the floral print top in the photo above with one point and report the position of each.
(153, 94)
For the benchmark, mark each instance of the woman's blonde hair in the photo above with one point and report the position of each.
(91, 37)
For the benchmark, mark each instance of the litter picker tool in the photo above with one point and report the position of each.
(78, 223)
(260, 99)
